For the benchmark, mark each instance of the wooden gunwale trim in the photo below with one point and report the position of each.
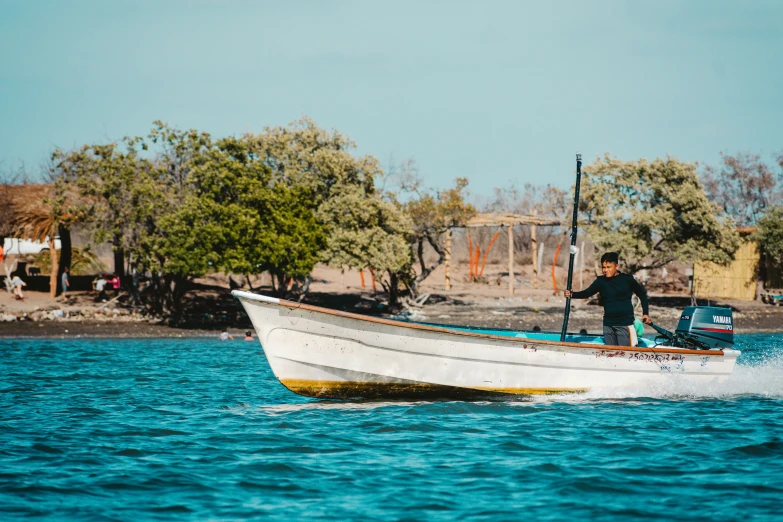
(389, 322)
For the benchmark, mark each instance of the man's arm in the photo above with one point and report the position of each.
(642, 294)
(590, 291)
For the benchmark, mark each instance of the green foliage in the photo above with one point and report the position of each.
(180, 204)
(83, 262)
(366, 231)
(304, 155)
(769, 233)
(432, 213)
(235, 217)
(654, 213)
(118, 190)
(193, 239)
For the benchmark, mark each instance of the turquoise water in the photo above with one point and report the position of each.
(101, 429)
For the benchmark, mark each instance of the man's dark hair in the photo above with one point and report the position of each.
(611, 257)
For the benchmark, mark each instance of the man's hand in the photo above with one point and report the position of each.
(567, 293)
(646, 319)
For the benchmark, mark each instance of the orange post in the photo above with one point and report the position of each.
(372, 278)
(486, 252)
(470, 256)
(361, 274)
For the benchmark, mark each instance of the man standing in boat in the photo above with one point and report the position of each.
(616, 290)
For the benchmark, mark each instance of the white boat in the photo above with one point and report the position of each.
(325, 353)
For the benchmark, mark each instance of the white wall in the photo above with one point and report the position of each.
(23, 246)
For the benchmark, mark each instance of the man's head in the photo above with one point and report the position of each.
(609, 264)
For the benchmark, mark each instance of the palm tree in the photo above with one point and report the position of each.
(38, 213)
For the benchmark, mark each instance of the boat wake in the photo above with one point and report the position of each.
(762, 378)
(356, 404)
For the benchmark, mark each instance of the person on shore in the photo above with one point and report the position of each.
(114, 283)
(135, 283)
(17, 284)
(66, 282)
(225, 336)
(248, 336)
(100, 287)
(616, 289)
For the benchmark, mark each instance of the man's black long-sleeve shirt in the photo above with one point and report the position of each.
(616, 295)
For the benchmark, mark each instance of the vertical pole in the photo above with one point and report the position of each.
(691, 272)
(534, 245)
(510, 259)
(476, 260)
(447, 261)
(53, 271)
(470, 257)
(554, 266)
(576, 260)
(573, 245)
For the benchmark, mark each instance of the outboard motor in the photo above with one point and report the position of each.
(710, 325)
(701, 328)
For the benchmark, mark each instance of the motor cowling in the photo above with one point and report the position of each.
(709, 325)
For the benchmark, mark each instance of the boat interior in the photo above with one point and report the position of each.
(537, 335)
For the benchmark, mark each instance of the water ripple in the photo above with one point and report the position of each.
(198, 429)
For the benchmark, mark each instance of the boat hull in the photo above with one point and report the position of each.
(329, 354)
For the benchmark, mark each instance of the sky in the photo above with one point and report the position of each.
(501, 92)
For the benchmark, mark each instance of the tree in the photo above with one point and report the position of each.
(743, 186)
(178, 204)
(432, 213)
(769, 233)
(654, 213)
(178, 153)
(117, 190)
(308, 166)
(274, 221)
(39, 215)
(235, 217)
(125, 195)
(365, 230)
(305, 155)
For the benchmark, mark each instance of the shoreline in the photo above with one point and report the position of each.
(210, 308)
(547, 321)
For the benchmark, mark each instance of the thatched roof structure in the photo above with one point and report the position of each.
(507, 219)
(23, 212)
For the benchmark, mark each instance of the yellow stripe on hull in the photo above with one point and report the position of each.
(392, 390)
(534, 391)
